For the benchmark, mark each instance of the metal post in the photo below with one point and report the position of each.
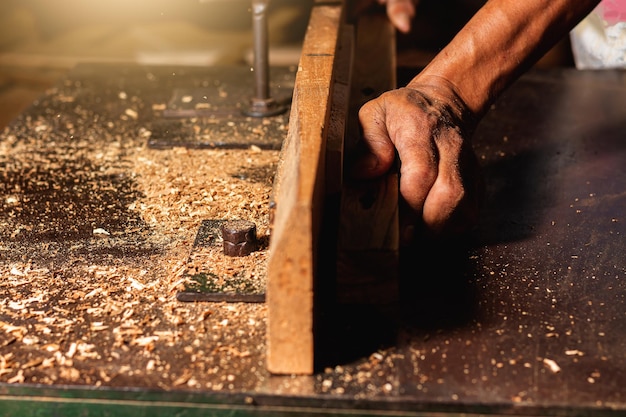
(261, 104)
(261, 48)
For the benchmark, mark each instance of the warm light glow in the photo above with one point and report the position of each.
(62, 33)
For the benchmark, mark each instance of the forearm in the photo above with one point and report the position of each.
(498, 44)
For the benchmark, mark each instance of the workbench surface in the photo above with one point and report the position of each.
(525, 316)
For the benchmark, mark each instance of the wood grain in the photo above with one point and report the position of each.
(299, 199)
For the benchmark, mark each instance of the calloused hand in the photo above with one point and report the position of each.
(429, 127)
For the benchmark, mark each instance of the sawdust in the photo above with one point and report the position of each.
(95, 236)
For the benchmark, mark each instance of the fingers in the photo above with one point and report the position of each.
(401, 13)
(432, 184)
(438, 169)
(379, 153)
(447, 193)
(452, 204)
(419, 167)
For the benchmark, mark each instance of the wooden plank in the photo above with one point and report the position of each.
(368, 247)
(299, 199)
(339, 111)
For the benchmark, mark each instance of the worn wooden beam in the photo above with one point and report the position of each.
(299, 199)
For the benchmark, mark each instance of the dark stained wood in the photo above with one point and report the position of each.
(368, 238)
(374, 67)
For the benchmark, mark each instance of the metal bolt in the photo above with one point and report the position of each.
(239, 237)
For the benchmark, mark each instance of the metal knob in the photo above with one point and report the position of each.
(239, 237)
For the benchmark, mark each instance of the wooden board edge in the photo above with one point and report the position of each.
(298, 199)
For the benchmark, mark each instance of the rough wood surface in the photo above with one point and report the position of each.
(339, 111)
(299, 198)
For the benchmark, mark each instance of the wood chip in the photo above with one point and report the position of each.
(551, 365)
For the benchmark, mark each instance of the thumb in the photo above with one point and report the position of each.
(378, 152)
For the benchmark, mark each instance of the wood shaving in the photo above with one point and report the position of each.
(96, 230)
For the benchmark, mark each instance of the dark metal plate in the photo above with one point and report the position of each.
(208, 112)
(206, 283)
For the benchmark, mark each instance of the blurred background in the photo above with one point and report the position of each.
(41, 40)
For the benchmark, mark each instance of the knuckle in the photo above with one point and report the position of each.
(454, 192)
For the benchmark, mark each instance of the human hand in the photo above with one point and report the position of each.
(429, 127)
(400, 12)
